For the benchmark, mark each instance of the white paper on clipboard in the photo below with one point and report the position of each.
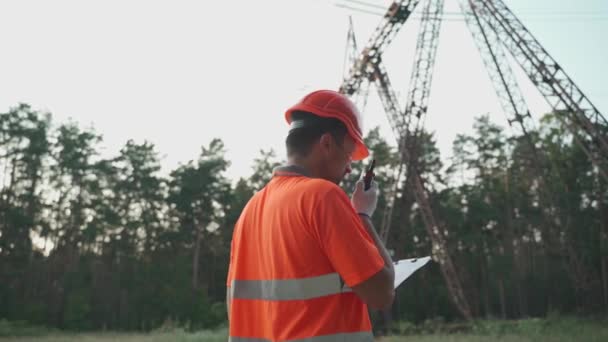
(406, 267)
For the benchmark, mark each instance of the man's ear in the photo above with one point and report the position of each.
(326, 142)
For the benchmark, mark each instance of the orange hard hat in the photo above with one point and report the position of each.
(332, 104)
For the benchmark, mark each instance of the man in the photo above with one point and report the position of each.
(305, 259)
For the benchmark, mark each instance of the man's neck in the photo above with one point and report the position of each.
(291, 170)
(303, 165)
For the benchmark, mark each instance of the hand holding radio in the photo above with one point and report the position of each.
(365, 196)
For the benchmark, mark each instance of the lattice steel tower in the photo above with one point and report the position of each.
(496, 31)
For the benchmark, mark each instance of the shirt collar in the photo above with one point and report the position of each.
(290, 171)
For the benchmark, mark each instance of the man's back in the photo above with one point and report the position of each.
(293, 244)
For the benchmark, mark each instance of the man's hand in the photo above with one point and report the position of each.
(365, 201)
(378, 291)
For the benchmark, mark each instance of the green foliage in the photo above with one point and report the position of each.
(22, 328)
(77, 311)
(262, 169)
(92, 243)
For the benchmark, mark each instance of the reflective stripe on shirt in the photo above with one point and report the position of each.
(289, 289)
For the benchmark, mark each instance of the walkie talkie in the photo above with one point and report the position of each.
(369, 175)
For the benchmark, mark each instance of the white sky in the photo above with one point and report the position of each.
(180, 73)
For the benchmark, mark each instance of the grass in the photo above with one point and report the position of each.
(177, 336)
(555, 329)
(541, 330)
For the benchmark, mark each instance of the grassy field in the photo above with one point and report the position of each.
(176, 336)
(563, 329)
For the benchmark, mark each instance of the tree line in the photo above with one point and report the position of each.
(89, 242)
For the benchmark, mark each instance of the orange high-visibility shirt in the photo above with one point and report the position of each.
(297, 249)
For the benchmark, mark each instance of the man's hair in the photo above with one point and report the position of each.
(306, 130)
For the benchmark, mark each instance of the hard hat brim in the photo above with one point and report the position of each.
(361, 151)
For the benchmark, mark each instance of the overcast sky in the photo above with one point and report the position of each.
(180, 73)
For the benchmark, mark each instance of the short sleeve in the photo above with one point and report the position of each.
(346, 242)
(232, 251)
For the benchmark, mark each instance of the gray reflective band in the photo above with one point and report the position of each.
(289, 289)
(362, 336)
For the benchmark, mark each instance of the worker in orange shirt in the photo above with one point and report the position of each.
(305, 259)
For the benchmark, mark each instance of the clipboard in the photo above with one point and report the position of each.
(406, 267)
